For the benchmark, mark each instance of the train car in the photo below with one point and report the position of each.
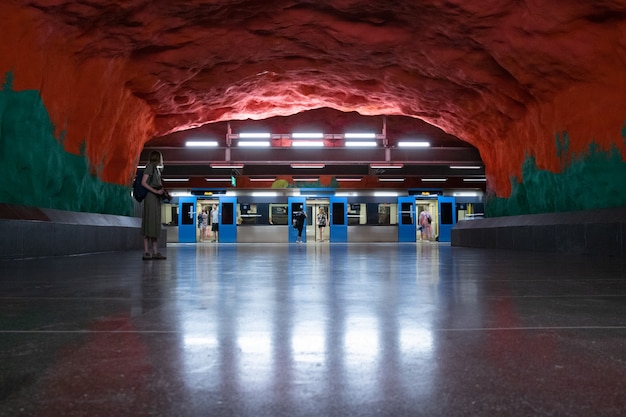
(266, 216)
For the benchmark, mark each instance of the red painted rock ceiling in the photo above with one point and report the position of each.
(504, 76)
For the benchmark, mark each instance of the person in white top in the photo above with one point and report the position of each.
(215, 222)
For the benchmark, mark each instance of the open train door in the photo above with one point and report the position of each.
(447, 217)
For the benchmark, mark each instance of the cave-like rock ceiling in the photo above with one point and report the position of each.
(474, 68)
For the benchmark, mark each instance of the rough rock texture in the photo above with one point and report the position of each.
(508, 77)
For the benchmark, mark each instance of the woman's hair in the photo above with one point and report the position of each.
(156, 158)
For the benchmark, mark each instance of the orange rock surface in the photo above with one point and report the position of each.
(505, 76)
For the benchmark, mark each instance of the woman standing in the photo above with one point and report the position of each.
(321, 222)
(151, 215)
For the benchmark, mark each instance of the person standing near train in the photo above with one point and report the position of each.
(151, 211)
(215, 222)
(321, 222)
(424, 222)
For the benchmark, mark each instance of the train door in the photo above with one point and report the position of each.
(447, 218)
(406, 219)
(187, 219)
(313, 207)
(228, 220)
(338, 219)
(296, 204)
(207, 206)
(431, 207)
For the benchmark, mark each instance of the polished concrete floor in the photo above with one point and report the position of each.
(314, 329)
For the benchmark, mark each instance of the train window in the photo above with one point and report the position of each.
(338, 211)
(188, 213)
(446, 213)
(228, 213)
(356, 213)
(278, 214)
(388, 214)
(253, 213)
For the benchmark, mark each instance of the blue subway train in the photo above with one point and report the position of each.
(266, 216)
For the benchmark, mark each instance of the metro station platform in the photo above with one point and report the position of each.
(380, 329)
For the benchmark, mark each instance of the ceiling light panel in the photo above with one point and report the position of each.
(232, 166)
(413, 144)
(201, 143)
(255, 135)
(386, 166)
(308, 143)
(308, 165)
(361, 143)
(359, 135)
(254, 143)
(307, 135)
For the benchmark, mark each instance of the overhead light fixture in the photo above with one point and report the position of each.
(475, 179)
(465, 166)
(255, 135)
(235, 166)
(307, 135)
(308, 179)
(434, 179)
(391, 179)
(218, 179)
(413, 144)
(385, 166)
(254, 143)
(348, 179)
(308, 165)
(347, 194)
(201, 143)
(361, 143)
(308, 143)
(175, 179)
(180, 194)
(385, 194)
(262, 179)
(466, 194)
(359, 135)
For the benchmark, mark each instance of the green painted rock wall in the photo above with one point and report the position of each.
(593, 179)
(36, 170)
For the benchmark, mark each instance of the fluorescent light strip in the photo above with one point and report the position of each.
(391, 179)
(309, 135)
(434, 179)
(465, 167)
(413, 144)
(305, 179)
(360, 143)
(226, 165)
(262, 179)
(359, 135)
(348, 179)
(259, 135)
(382, 166)
(308, 165)
(217, 179)
(175, 179)
(308, 143)
(254, 143)
(475, 179)
(385, 194)
(201, 143)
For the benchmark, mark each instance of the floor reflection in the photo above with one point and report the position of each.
(308, 330)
